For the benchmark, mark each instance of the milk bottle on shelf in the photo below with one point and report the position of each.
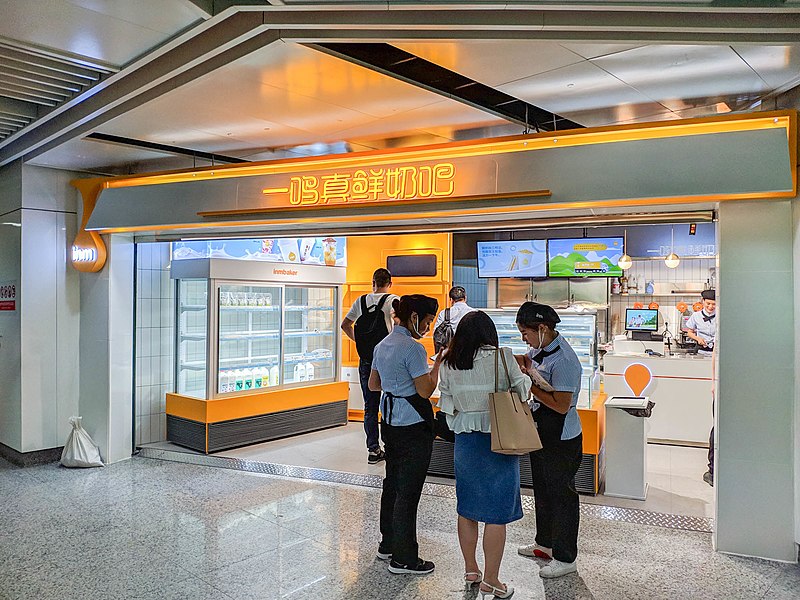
(238, 378)
(248, 379)
(225, 382)
(309, 372)
(299, 372)
(274, 374)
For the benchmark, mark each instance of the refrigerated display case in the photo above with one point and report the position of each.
(579, 329)
(258, 353)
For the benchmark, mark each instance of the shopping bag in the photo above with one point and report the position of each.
(513, 429)
(80, 450)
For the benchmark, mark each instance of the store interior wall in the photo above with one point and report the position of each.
(155, 341)
(42, 375)
(755, 401)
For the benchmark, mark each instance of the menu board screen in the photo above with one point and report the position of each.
(328, 251)
(584, 257)
(515, 258)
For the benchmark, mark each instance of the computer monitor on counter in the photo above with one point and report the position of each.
(641, 322)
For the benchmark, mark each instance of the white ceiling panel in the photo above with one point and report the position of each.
(587, 50)
(302, 71)
(440, 119)
(114, 159)
(97, 35)
(166, 16)
(684, 76)
(779, 66)
(494, 62)
(580, 87)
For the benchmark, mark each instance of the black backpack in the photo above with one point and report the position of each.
(443, 333)
(370, 328)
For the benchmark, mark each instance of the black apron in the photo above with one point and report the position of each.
(422, 405)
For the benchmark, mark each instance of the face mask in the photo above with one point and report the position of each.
(415, 327)
(541, 339)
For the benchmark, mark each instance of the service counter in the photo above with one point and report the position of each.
(680, 386)
(591, 472)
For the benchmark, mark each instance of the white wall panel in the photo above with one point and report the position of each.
(39, 357)
(10, 326)
(756, 394)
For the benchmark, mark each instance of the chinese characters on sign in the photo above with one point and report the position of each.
(371, 185)
(8, 295)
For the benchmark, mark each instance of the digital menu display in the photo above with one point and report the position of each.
(584, 257)
(515, 258)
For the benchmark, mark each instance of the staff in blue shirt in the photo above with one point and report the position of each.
(400, 370)
(554, 466)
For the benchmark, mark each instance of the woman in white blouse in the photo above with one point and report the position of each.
(487, 483)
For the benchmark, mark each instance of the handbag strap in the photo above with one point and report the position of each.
(496, 374)
(505, 368)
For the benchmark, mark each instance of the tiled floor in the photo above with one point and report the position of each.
(675, 473)
(150, 529)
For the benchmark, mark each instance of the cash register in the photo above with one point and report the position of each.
(642, 323)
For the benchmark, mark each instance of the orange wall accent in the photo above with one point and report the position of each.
(367, 253)
(250, 405)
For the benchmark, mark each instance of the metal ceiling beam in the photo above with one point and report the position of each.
(177, 150)
(599, 23)
(395, 62)
(17, 108)
(196, 53)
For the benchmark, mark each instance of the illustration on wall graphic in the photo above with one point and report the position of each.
(327, 251)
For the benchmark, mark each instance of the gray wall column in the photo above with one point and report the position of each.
(755, 404)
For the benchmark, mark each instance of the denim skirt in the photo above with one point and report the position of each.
(487, 483)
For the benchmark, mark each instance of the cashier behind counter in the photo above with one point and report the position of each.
(702, 325)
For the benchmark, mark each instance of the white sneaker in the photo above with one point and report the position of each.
(556, 568)
(536, 551)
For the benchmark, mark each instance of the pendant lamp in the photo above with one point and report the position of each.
(672, 260)
(625, 262)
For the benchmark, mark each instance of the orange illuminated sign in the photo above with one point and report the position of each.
(403, 182)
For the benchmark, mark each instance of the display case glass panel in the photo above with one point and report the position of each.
(309, 334)
(249, 348)
(192, 334)
(580, 330)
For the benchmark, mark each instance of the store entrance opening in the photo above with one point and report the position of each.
(222, 328)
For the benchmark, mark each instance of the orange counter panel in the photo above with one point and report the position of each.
(251, 405)
(593, 423)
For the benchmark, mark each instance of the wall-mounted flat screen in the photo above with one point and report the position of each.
(412, 265)
(641, 319)
(584, 257)
(514, 258)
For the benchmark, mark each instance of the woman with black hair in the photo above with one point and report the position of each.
(554, 466)
(400, 370)
(487, 483)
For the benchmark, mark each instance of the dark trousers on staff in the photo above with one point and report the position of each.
(556, 499)
(408, 454)
(371, 403)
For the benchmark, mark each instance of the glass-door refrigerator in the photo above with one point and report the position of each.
(258, 353)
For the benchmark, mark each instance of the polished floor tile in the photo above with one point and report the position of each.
(147, 529)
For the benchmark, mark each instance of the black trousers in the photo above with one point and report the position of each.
(372, 402)
(408, 455)
(557, 506)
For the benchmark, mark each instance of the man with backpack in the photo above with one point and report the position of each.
(367, 322)
(447, 320)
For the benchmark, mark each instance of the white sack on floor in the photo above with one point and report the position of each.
(80, 450)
